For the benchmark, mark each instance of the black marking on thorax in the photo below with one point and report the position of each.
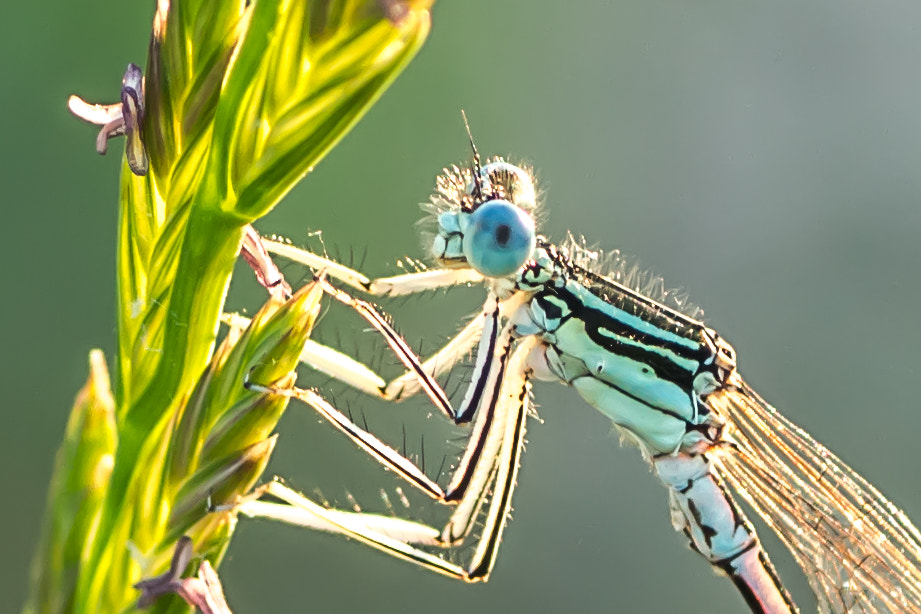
(616, 335)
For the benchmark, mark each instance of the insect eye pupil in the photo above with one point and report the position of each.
(498, 238)
(503, 234)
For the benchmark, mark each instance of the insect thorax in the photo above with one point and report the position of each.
(645, 366)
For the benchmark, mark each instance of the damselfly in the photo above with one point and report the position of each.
(667, 381)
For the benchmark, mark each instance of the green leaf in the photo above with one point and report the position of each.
(81, 475)
(302, 76)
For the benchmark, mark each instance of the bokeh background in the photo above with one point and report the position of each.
(762, 155)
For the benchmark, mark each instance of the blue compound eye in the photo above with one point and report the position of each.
(499, 238)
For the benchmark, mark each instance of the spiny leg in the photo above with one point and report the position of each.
(352, 372)
(419, 375)
(481, 331)
(399, 285)
(499, 435)
(470, 480)
(481, 399)
(490, 459)
(483, 393)
(409, 383)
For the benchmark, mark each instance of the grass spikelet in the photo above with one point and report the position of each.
(238, 101)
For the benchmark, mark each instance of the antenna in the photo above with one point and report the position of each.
(477, 171)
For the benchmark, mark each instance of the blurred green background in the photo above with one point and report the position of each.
(762, 155)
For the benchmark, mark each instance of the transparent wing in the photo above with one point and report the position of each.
(860, 553)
